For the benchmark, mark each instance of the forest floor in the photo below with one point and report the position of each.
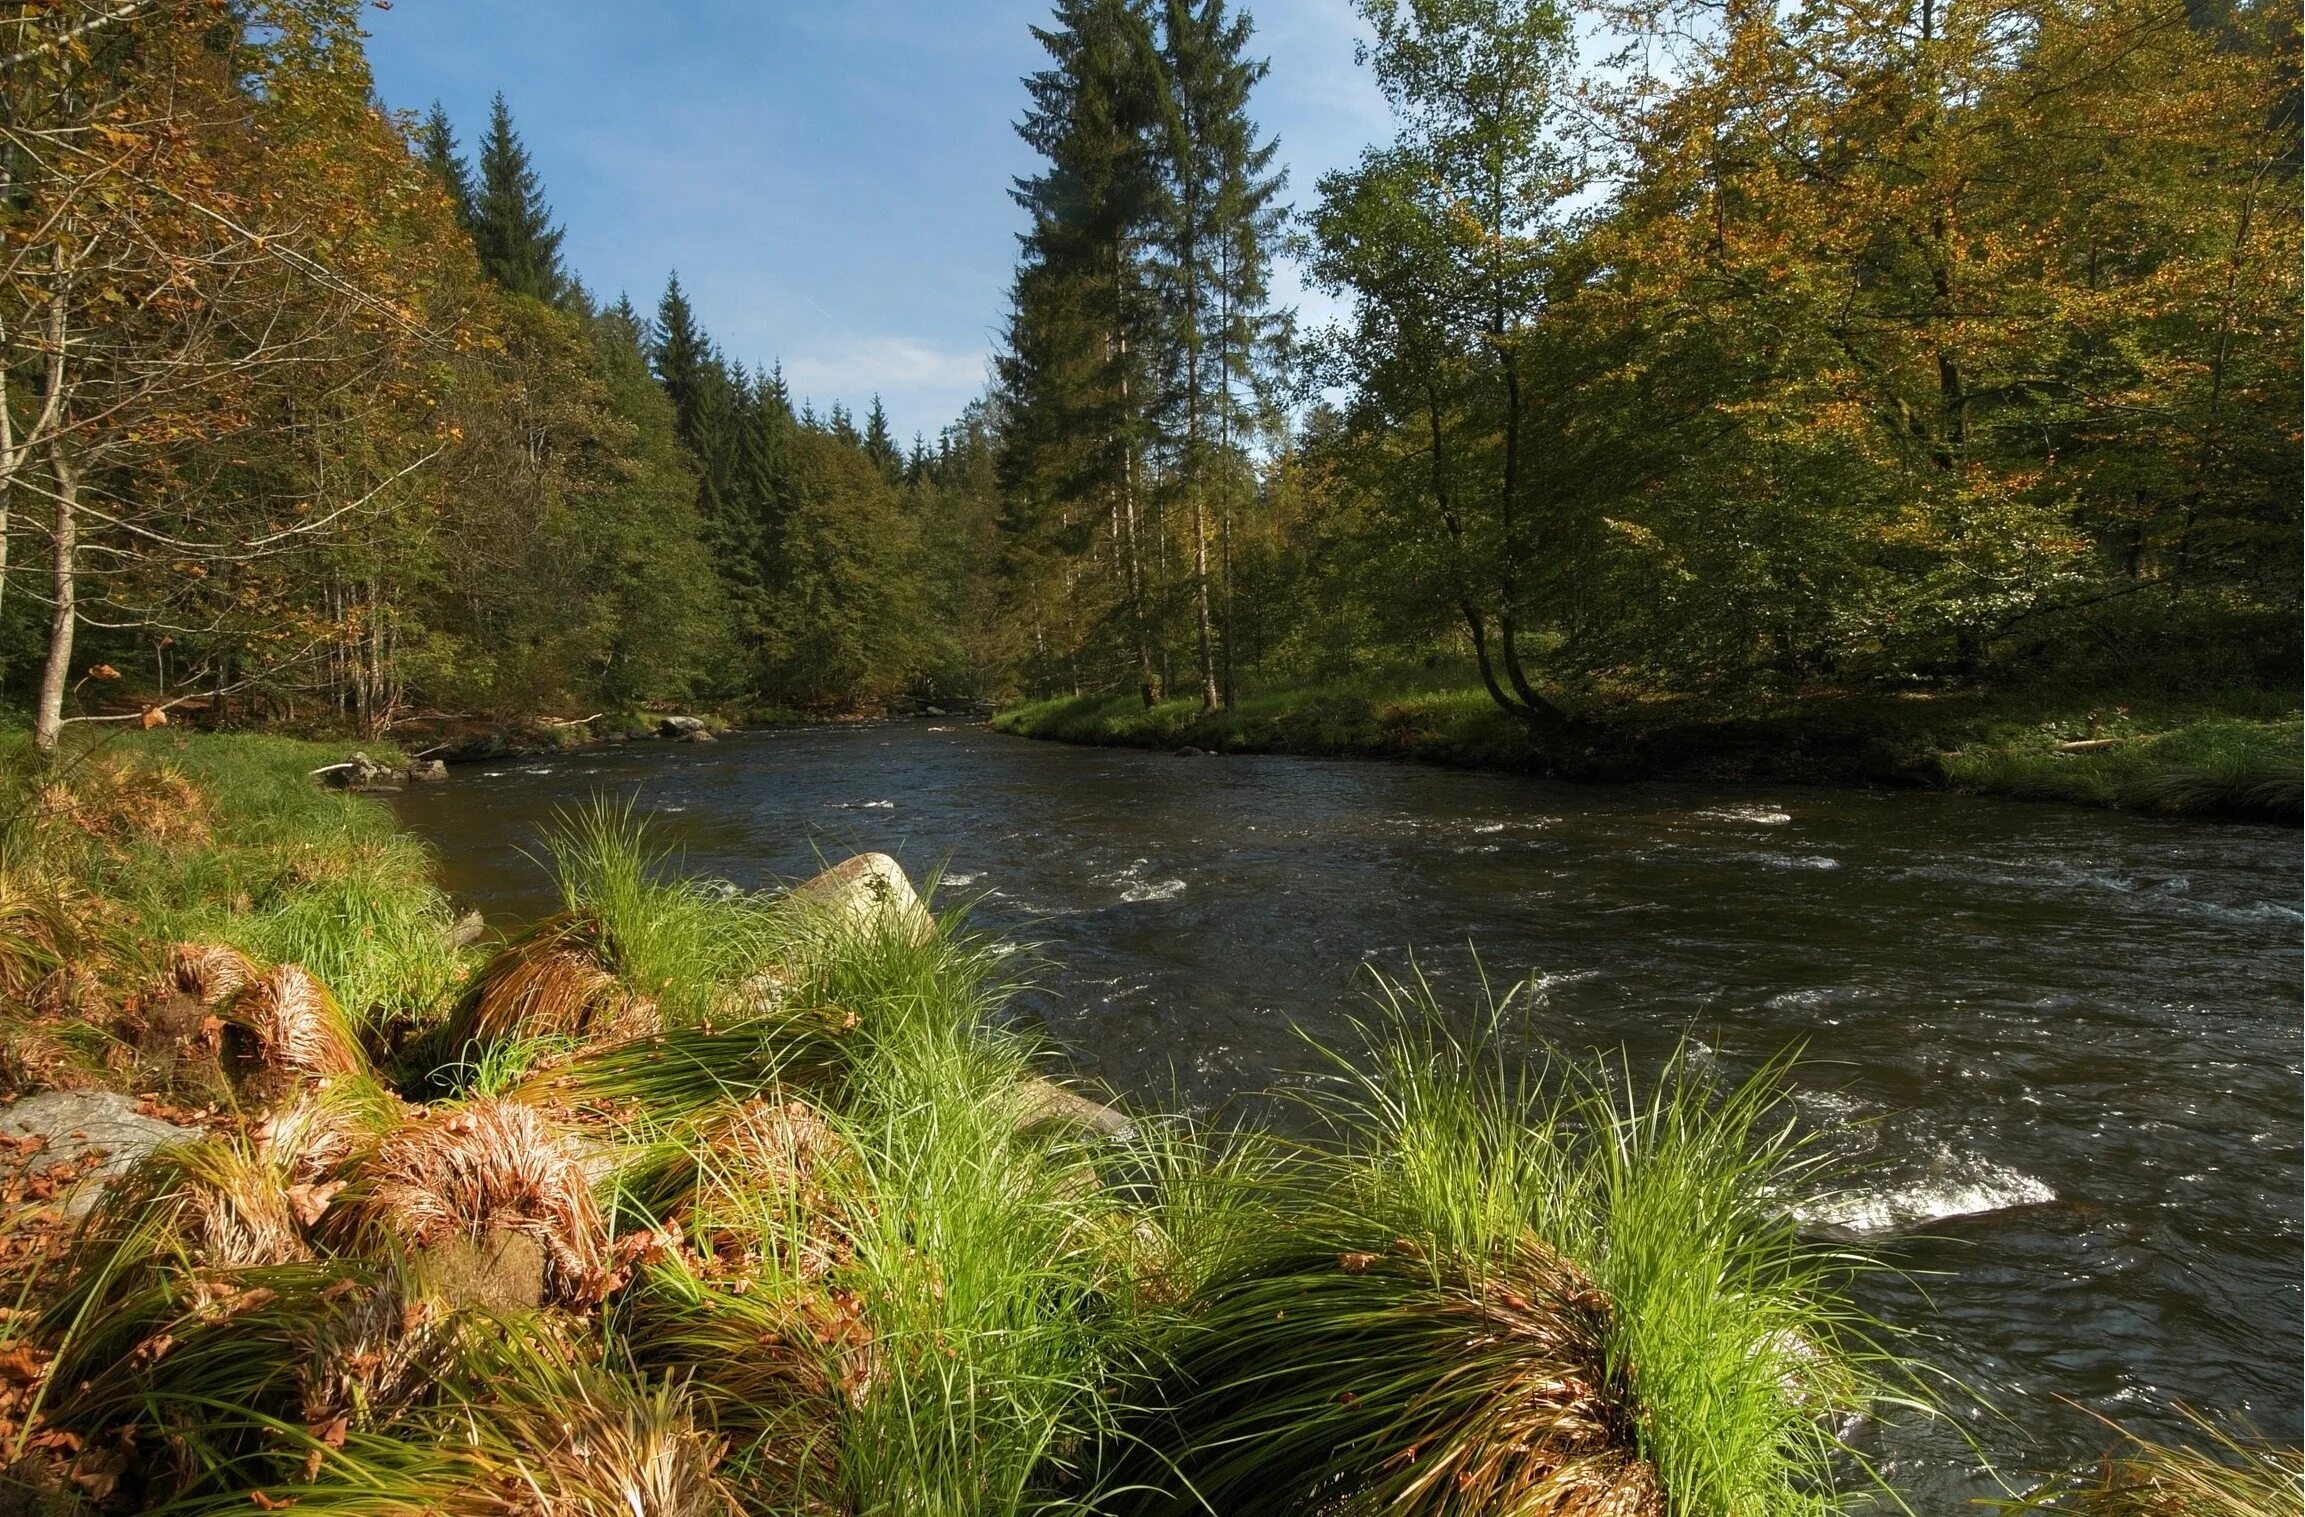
(2232, 755)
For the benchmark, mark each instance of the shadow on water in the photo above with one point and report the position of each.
(2067, 1041)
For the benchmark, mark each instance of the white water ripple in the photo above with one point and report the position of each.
(1955, 1185)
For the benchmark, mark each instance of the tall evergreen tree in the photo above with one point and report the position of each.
(880, 443)
(1075, 375)
(436, 144)
(1216, 227)
(511, 225)
(711, 405)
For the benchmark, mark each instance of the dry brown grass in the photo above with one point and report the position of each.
(775, 1180)
(484, 1166)
(550, 983)
(293, 1032)
(588, 1444)
(323, 1126)
(1552, 1433)
(121, 801)
(209, 973)
(223, 1204)
(374, 1353)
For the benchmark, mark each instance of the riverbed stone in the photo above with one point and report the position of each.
(427, 772)
(868, 891)
(700, 735)
(679, 726)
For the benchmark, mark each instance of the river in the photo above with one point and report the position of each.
(2067, 1042)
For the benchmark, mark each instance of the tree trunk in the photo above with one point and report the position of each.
(56, 674)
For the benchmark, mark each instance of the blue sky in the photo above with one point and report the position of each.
(830, 179)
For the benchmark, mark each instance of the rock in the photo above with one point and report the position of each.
(1189, 751)
(679, 726)
(1042, 1101)
(934, 711)
(466, 930)
(500, 1272)
(427, 772)
(358, 772)
(868, 890)
(77, 1123)
(700, 735)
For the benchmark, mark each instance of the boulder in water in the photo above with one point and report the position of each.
(869, 891)
(700, 735)
(679, 726)
(427, 772)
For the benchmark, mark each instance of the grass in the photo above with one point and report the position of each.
(1541, 1290)
(2232, 755)
(2232, 1472)
(793, 1243)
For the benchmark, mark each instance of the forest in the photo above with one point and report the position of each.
(1688, 354)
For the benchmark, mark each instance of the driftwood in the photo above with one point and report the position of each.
(2091, 745)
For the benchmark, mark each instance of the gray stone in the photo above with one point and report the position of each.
(679, 726)
(78, 1122)
(1042, 1101)
(427, 772)
(700, 735)
(869, 890)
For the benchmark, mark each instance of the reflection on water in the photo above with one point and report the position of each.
(2067, 1041)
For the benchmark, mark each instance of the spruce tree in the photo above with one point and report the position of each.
(1217, 224)
(436, 143)
(712, 407)
(681, 356)
(511, 225)
(880, 443)
(1075, 376)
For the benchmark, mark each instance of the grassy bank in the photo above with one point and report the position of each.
(2237, 756)
(692, 1201)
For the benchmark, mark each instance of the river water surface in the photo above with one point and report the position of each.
(2066, 1041)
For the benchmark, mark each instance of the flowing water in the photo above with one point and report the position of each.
(2067, 1042)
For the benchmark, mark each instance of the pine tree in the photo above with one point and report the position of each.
(436, 144)
(880, 444)
(711, 406)
(511, 225)
(1216, 227)
(1075, 375)
(681, 355)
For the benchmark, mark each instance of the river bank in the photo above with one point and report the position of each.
(751, 1189)
(2237, 757)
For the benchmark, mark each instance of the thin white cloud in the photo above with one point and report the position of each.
(851, 369)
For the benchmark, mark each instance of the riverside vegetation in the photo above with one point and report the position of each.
(686, 1200)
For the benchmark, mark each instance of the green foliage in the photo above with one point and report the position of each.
(511, 226)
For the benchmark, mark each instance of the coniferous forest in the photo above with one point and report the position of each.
(1691, 361)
